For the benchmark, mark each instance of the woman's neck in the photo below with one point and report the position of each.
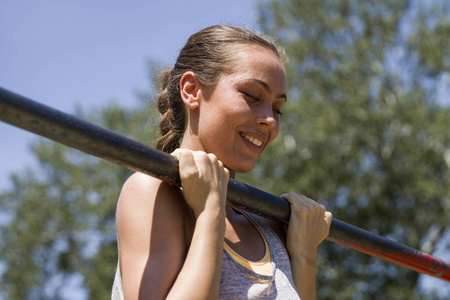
(189, 143)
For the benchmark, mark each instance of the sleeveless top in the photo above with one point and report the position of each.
(240, 282)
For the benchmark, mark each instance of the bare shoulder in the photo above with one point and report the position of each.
(151, 218)
(139, 183)
(146, 201)
(142, 194)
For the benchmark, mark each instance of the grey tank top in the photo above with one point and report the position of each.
(238, 282)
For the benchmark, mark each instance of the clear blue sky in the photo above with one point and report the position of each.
(64, 53)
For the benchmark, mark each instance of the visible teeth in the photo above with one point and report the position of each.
(255, 141)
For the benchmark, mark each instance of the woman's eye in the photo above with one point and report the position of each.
(277, 112)
(250, 97)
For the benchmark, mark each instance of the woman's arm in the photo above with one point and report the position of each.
(309, 225)
(155, 224)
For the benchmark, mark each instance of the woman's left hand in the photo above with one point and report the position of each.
(309, 225)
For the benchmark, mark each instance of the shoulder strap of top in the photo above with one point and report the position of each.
(264, 265)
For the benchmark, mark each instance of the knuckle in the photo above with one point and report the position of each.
(290, 197)
(298, 208)
(184, 156)
(201, 156)
(212, 157)
(189, 173)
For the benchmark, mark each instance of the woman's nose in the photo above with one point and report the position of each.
(266, 117)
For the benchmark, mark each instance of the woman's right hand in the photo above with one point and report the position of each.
(204, 180)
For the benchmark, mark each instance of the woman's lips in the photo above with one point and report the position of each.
(255, 144)
(253, 140)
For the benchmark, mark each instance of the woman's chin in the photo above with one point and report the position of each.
(243, 168)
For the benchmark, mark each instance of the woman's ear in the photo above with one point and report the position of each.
(190, 90)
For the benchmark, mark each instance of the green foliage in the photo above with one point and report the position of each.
(62, 219)
(363, 132)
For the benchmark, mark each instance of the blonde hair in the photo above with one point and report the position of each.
(207, 53)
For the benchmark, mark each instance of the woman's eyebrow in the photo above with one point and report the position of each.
(267, 87)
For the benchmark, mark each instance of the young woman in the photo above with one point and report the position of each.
(220, 107)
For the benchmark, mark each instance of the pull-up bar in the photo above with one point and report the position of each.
(74, 132)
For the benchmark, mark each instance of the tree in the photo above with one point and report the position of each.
(364, 131)
(61, 220)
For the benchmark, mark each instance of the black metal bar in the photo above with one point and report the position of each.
(106, 144)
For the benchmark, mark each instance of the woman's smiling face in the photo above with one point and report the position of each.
(240, 117)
